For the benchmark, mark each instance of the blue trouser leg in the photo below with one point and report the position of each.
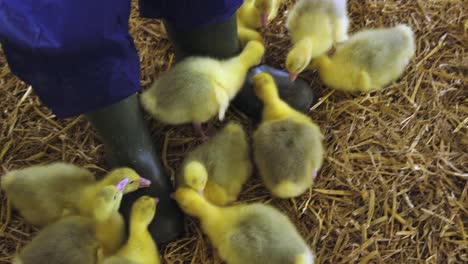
(79, 55)
(188, 14)
(80, 58)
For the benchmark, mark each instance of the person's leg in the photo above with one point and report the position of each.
(90, 66)
(127, 141)
(210, 29)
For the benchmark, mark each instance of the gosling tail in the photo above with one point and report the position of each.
(406, 29)
(306, 258)
(409, 35)
(17, 260)
(288, 189)
(6, 181)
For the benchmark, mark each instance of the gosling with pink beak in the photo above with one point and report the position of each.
(315, 26)
(44, 193)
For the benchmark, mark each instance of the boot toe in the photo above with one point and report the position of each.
(168, 224)
(298, 94)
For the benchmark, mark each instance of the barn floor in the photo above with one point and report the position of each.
(393, 188)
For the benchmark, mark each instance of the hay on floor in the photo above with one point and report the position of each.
(393, 186)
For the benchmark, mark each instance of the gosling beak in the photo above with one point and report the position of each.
(200, 192)
(122, 184)
(264, 18)
(293, 76)
(142, 182)
(156, 200)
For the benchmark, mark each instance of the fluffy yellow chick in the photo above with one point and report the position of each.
(314, 25)
(72, 239)
(194, 175)
(257, 13)
(44, 193)
(287, 145)
(246, 35)
(199, 88)
(252, 15)
(254, 233)
(369, 60)
(219, 167)
(109, 224)
(140, 247)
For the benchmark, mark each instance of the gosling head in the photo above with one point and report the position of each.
(135, 181)
(298, 59)
(265, 86)
(196, 176)
(265, 8)
(108, 200)
(143, 210)
(188, 200)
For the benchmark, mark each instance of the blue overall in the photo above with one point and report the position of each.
(78, 55)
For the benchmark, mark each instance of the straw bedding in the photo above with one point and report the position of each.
(393, 188)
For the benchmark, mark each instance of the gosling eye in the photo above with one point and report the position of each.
(115, 197)
(132, 182)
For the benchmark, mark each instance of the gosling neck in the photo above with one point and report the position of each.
(103, 220)
(137, 226)
(204, 209)
(105, 181)
(249, 57)
(274, 108)
(321, 62)
(238, 65)
(89, 193)
(87, 197)
(304, 48)
(270, 97)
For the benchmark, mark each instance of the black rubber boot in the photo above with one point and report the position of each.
(127, 142)
(220, 41)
